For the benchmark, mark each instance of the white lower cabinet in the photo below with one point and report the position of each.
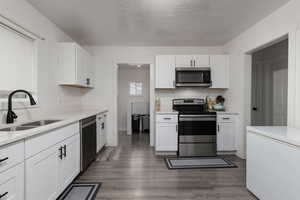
(69, 166)
(12, 183)
(226, 133)
(101, 131)
(42, 175)
(166, 133)
(50, 171)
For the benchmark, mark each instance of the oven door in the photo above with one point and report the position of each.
(197, 135)
(193, 77)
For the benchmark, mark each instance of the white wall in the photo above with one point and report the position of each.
(125, 76)
(283, 21)
(50, 96)
(106, 58)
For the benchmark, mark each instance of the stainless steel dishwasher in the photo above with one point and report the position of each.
(88, 138)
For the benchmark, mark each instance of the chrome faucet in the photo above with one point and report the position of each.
(11, 115)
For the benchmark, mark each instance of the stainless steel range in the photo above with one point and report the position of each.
(196, 128)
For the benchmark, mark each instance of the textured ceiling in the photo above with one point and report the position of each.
(155, 22)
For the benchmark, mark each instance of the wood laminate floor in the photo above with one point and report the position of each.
(131, 171)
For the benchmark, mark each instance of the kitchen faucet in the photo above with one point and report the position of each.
(11, 115)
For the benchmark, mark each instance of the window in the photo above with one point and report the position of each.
(136, 88)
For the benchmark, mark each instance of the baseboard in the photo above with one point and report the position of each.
(166, 153)
(226, 153)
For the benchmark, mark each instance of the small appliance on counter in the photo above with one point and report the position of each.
(219, 106)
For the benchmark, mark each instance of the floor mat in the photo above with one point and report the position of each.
(80, 191)
(198, 163)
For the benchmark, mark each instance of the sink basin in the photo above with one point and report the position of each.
(18, 128)
(40, 123)
(30, 125)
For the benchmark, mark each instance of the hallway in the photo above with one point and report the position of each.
(132, 171)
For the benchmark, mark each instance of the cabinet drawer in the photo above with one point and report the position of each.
(41, 142)
(12, 183)
(167, 118)
(225, 118)
(11, 155)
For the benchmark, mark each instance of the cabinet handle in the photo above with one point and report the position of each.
(191, 63)
(4, 159)
(61, 153)
(218, 128)
(102, 125)
(88, 81)
(194, 63)
(167, 118)
(225, 118)
(3, 195)
(65, 150)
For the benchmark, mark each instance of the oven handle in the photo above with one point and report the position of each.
(197, 118)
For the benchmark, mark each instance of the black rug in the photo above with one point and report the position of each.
(198, 163)
(80, 191)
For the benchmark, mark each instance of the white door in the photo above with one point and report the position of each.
(70, 164)
(219, 71)
(165, 71)
(166, 137)
(41, 175)
(90, 71)
(12, 183)
(226, 137)
(201, 60)
(184, 61)
(80, 66)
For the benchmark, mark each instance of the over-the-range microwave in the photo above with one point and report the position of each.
(193, 77)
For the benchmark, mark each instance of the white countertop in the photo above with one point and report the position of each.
(67, 118)
(281, 133)
(167, 112)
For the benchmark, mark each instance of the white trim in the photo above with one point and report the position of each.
(151, 99)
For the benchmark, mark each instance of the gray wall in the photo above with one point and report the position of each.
(270, 85)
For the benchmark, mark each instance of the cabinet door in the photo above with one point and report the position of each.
(70, 164)
(12, 183)
(220, 71)
(166, 137)
(226, 137)
(81, 75)
(201, 60)
(90, 71)
(41, 175)
(165, 71)
(184, 61)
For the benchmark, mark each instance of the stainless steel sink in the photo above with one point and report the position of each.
(29, 125)
(40, 123)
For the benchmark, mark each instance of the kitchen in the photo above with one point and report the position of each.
(74, 77)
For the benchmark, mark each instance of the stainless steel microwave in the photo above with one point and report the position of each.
(193, 77)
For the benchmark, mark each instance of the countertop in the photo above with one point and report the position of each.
(66, 118)
(280, 133)
(174, 112)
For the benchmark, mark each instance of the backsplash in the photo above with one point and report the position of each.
(166, 96)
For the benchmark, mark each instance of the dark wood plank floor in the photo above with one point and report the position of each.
(132, 172)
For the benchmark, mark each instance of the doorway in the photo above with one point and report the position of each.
(133, 104)
(270, 85)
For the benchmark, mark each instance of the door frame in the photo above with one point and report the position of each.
(151, 98)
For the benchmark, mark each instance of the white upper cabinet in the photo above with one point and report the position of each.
(192, 61)
(201, 60)
(165, 72)
(74, 66)
(219, 65)
(184, 61)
